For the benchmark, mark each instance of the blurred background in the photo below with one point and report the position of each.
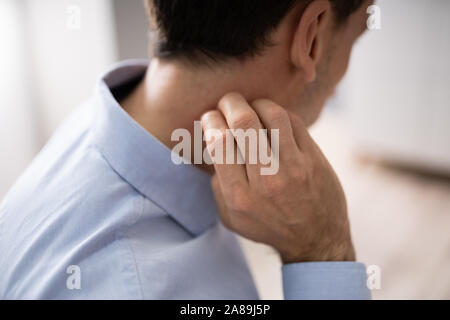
(387, 131)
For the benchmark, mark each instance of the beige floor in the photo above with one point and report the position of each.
(400, 222)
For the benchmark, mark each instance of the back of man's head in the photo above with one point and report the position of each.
(221, 29)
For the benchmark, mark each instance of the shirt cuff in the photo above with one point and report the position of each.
(325, 281)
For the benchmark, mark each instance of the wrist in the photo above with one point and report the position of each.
(336, 253)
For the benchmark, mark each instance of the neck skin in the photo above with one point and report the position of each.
(174, 94)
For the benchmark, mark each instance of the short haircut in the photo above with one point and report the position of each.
(221, 29)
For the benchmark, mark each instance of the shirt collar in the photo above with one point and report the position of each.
(182, 191)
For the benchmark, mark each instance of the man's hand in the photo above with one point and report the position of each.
(301, 210)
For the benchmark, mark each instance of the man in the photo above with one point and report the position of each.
(103, 212)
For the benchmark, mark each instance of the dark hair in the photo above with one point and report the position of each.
(224, 28)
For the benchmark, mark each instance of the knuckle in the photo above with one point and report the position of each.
(215, 140)
(273, 110)
(244, 121)
(273, 186)
(262, 103)
(209, 115)
(230, 98)
(277, 113)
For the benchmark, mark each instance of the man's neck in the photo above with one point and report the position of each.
(173, 96)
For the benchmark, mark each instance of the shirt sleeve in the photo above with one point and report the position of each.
(325, 281)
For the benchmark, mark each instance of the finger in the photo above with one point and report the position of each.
(215, 129)
(220, 202)
(274, 117)
(231, 220)
(240, 117)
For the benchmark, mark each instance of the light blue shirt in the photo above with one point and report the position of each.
(103, 213)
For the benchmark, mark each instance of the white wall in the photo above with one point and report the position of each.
(17, 128)
(68, 61)
(398, 88)
(47, 69)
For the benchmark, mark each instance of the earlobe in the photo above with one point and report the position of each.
(308, 38)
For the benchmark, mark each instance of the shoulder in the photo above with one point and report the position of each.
(68, 209)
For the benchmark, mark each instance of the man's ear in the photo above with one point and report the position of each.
(307, 43)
